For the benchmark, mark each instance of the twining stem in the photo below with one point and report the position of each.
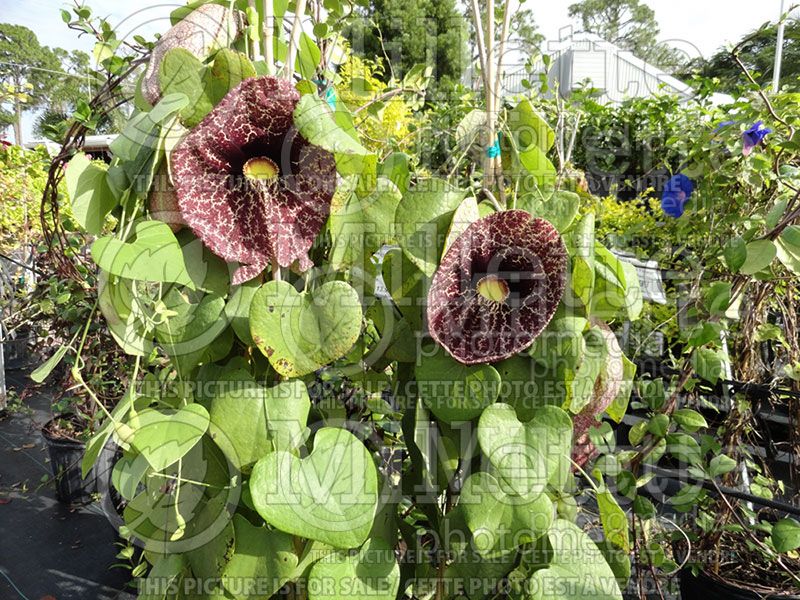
(294, 40)
(589, 480)
(276, 271)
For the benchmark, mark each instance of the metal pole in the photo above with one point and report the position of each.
(776, 72)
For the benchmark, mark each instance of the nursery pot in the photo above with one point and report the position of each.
(65, 461)
(705, 587)
(66, 456)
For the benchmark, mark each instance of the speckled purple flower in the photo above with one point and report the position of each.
(497, 287)
(248, 184)
(754, 136)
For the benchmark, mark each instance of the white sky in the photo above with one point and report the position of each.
(696, 26)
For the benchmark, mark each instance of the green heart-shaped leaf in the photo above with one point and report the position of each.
(529, 455)
(191, 327)
(249, 421)
(90, 195)
(302, 332)
(499, 520)
(182, 72)
(360, 226)
(423, 219)
(263, 561)
(371, 573)
(452, 391)
(575, 558)
(163, 437)
(313, 119)
(560, 208)
(154, 256)
(330, 496)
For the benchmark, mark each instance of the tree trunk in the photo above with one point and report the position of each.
(18, 122)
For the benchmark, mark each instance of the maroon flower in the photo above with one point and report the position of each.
(249, 185)
(497, 287)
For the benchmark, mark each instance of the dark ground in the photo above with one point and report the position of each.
(48, 550)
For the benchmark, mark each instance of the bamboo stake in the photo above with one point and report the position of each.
(476, 18)
(498, 162)
(489, 161)
(268, 48)
(294, 40)
(502, 47)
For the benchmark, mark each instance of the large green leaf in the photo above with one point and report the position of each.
(529, 455)
(263, 561)
(616, 287)
(759, 256)
(536, 163)
(182, 72)
(786, 535)
(372, 573)
(140, 146)
(498, 519)
(302, 332)
(708, 364)
(423, 219)
(617, 409)
(475, 573)
(582, 246)
(528, 385)
(237, 310)
(452, 391)
(154, 255)
(529, 128)
(581, 380)
(788, 248)
(330, 496)
(613, 519)
(249, 421)
(362, 225)
(165, 436)
(577, 569)
(406, 285)
(227, 71)
(192, 326)
(559, 208)
(464, 216)
(308, 56)
(314, 121)
(90, 196)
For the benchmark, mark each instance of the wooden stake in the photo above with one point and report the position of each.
(294, 40)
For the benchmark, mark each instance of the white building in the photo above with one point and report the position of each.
(584, 60)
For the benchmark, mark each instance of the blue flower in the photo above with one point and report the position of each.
(676, 192)
(754, 136)
(723, 125)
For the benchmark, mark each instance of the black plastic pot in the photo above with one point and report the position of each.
(65, 461)
(705, 587)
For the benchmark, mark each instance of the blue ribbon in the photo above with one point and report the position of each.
(493, 151)
(330, 98)
(330, 93)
